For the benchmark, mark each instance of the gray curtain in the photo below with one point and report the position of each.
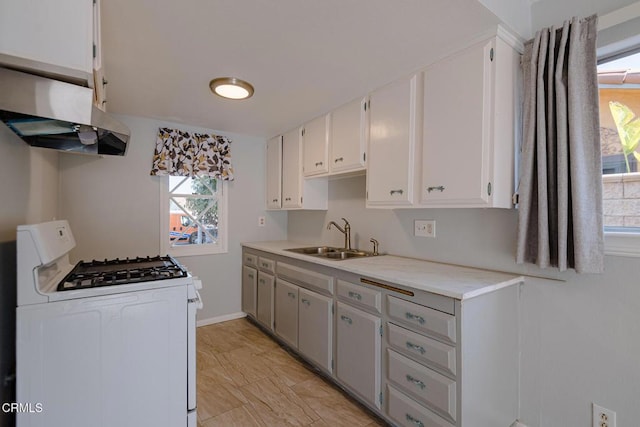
(560, 192)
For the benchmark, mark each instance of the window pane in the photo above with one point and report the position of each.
(193, 220)
(619, 83)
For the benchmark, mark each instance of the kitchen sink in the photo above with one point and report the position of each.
(315, 250)
(331, 253)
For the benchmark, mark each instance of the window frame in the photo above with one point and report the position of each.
(619, 243)
(220, 247)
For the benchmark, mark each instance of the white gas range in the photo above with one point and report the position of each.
(102, 343)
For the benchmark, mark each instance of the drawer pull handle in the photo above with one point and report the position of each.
(440, 188)
(392, 192)
(415, 421)
(265, 265)
(346, 319)
(416, 381)
(411, 316)
(412, 346)
(355, 295)
(306, 301)
(339, 159)
(250, 276)
(318, 164)
(262, 281)
(291, 294)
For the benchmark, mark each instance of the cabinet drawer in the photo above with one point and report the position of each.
(266, 264)
(425, 349)
(423, 318)
(360, 295)
(409, 413)
(423, 383)
(302, 276)
(251, 260)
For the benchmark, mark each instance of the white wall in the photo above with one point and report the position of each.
(580, 335)
(113, 207)
(546, 13)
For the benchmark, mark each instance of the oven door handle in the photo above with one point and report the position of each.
(194, 304)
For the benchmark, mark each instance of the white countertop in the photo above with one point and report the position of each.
(444, 279)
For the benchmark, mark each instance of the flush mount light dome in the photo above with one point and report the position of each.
(230, 87)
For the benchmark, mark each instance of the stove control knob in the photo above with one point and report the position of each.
(197, 283)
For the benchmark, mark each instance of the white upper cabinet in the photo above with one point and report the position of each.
(296, 192)
(469, 134)
(274, 173)
(291, 170)
(394, 133)
(348, 137)
(54, 38)
(316, 146)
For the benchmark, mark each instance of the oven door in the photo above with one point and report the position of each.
(195, 303)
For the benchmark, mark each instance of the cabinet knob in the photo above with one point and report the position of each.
(439, 188)
(418, 318)
(416, 381)
(414, 421)
(355, 295)
(346, 319)
(392, 192)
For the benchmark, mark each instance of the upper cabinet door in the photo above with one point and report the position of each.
(274, 173)
(291, 169)
(348, 137)
(316, 146)
(393, 133)
(49, 37)
(469, 139)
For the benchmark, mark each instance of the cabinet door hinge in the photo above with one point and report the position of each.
(302, 131)
(365, 106)
(381, 398)
(332, 364)
(380, 330)
(489, 189)
(364, 157)
(491, 54)
(515, 198)
(300, 200)
(95, 51)
(333, 310)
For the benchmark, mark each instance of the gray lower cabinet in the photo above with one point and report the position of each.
(265, 299)
(358, 344)
(286, 312)
(315, 328)
(416, 358)
(249, 290)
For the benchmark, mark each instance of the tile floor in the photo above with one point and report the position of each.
(246, 379)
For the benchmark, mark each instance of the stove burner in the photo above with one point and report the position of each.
(119, 272)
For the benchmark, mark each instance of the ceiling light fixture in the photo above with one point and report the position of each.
(231, 88)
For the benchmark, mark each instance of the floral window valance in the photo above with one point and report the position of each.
(180, 153)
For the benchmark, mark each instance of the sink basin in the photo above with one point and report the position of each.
(315, 250)
(331, 253)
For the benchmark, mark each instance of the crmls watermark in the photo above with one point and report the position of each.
(31, 408)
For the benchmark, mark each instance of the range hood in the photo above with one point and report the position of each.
(62, 116)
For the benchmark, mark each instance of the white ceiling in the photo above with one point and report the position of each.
(304, 57)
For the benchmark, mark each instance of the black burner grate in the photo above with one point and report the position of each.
(119, 272)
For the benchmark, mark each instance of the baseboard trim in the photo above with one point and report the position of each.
(218, 319)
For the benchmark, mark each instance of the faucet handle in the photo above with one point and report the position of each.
(375, 246)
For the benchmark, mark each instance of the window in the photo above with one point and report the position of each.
(619, 87)
(619, 83)
(193, 216)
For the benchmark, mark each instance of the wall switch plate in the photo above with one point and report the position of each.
(424, 228)
(603, 417)
(261, 221)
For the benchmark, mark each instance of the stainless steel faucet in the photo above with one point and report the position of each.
(346, 231)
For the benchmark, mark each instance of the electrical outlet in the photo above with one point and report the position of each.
(603, 417)
(424, 228)
(261, 221)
